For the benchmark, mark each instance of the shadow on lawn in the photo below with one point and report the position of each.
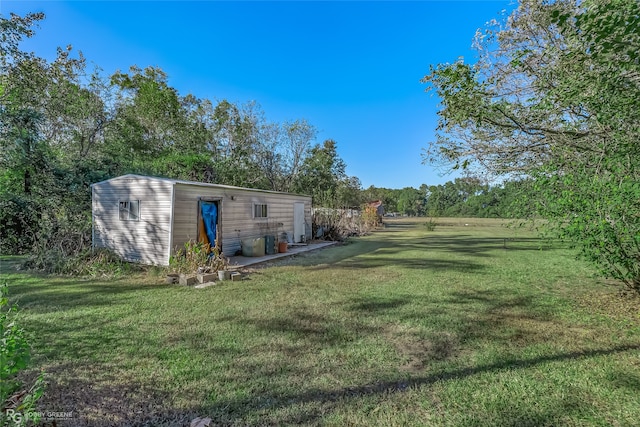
(377, 305)
(383, 253)
(397, 227)
(426, 251)
(119, 401)
(83, 336)
(53, 294)
(312, 405)
(314, 328)
(410, 263)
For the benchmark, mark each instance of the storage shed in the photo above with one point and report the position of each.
(145, 219)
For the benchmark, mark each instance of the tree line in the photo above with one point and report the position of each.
(462, 197)
(64, 127)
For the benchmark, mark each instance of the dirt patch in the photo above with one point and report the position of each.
(91, 397)
(419, 349)
(619, 304)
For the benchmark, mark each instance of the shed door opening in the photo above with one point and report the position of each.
(208, 221)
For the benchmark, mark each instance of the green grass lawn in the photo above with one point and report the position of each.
(466, 325)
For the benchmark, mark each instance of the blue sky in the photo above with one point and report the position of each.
(351, 69)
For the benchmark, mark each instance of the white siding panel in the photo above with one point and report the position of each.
(145, 240)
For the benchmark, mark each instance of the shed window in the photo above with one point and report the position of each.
(260, 211)
(129, 210)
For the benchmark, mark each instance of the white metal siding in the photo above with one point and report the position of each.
(145, 240)
(236, 214)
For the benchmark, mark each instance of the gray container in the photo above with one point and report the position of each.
(270, 245)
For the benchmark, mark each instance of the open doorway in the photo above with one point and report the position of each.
(209, 222)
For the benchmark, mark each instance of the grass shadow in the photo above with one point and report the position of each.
(312, 404)
(53, 293)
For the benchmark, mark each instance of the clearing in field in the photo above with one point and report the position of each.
(474, 324)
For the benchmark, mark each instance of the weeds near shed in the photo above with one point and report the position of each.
(217, 259)
(100, 263)
(59, 246)
(92, 263)
(198, 255)
(190, 257)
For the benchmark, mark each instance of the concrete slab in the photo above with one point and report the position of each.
(236, 262)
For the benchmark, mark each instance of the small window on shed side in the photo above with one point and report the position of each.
(129, 210)
(260, 211)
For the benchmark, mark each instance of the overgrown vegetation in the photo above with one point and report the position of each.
(430, 224)
(18, 400)
(339, 224)
(474, 324)
(196, 257)
(99, 262)
(64, 247)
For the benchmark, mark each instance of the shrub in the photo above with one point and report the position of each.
(100, 262)
(59, 246)
(430, 224)
(64, 247)
(370, 217)
(15, 355)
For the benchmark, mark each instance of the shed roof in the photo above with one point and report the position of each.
(201, 184)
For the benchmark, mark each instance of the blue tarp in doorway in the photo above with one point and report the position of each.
(210, 219)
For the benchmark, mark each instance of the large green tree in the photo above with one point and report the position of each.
(156, 130)
(411, 201)
(554, 96)
(321, 173)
